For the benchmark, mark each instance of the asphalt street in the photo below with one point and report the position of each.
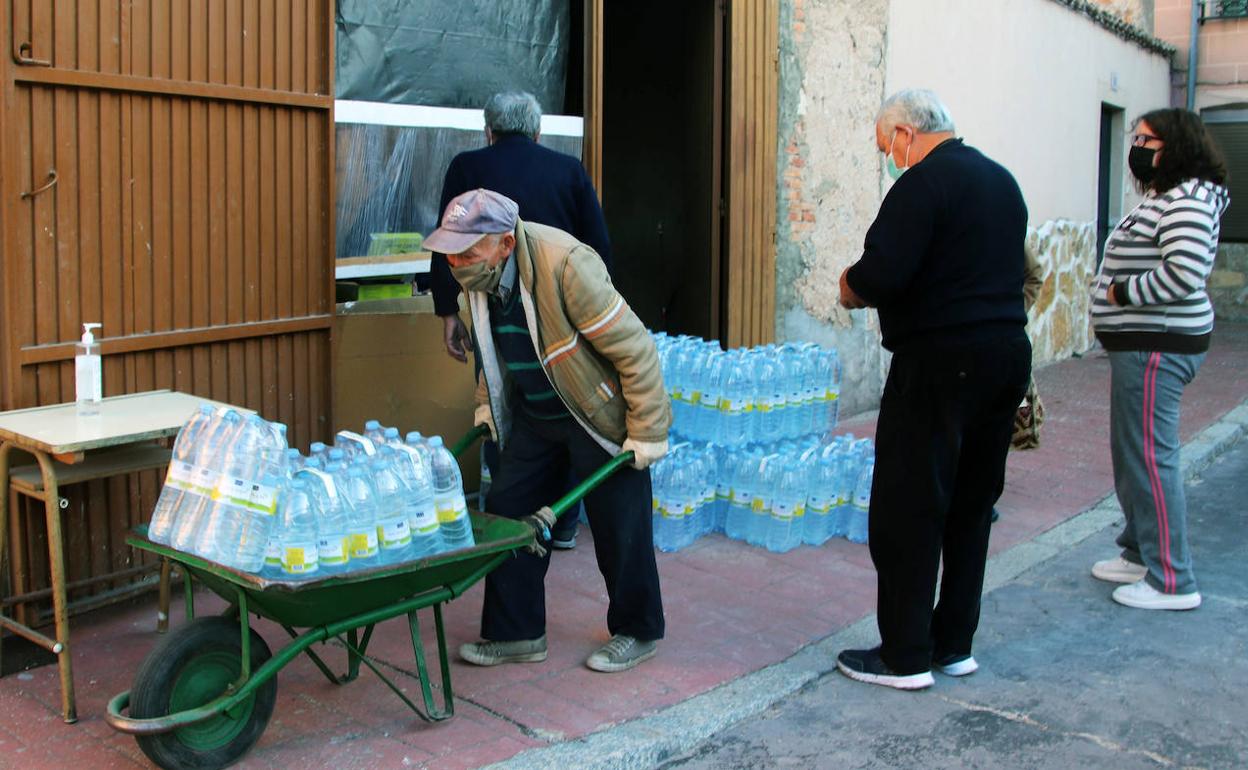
(1068, 678)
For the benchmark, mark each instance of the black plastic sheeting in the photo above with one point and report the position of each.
(455, 54)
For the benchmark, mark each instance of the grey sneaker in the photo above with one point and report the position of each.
(487, 653)
(621, 654)
(564, 543)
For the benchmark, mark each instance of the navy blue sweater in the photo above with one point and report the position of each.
(550, 187)
(943, 261)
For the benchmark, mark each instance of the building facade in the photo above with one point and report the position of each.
(1046, 87)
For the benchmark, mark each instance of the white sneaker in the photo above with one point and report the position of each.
(1143, 596)
(1119, 570)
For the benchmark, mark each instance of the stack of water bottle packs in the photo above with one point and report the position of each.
(752, 452)
(237, 495)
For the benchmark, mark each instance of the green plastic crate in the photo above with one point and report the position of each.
(380, 244)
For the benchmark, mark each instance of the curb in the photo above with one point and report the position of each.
(650, 740)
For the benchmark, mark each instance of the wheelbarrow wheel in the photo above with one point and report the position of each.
(188, 668)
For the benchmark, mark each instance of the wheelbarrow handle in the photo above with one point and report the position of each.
(469, 439)
(574, 496)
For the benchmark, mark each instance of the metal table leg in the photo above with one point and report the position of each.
(56, 562)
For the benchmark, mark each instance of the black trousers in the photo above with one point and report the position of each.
(533, 472)
(941, 441)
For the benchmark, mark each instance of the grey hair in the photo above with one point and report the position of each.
(916, 107)
(513, 112)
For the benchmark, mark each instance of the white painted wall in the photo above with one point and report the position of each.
(1025, 80)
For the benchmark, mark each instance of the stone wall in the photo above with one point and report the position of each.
(1228, 285)
(1135, 12)
(831, 84)
(1058, 323)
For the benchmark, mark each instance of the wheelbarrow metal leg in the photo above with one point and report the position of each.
(426, 690)
(316, 659)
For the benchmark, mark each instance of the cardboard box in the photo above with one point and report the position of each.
(390, 364)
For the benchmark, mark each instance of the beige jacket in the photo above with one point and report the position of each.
(597, 354)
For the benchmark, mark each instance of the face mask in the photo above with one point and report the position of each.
(478, 276)
(890, 165)
(1140, 161)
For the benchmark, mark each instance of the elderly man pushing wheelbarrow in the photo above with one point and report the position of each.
(569, 378)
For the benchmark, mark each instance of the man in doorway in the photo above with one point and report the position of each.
(550, 187)
(943, 264)
(592, 390)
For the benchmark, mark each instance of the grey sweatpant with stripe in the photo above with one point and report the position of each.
(1144, 436)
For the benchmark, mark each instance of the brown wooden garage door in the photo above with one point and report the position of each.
(165, 171)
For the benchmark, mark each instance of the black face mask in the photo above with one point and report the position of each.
(1140, 161)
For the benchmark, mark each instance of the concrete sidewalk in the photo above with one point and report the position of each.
(745, 627)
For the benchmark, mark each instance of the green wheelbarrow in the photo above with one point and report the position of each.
(204, 694)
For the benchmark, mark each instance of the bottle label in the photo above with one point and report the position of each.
(364, 544)
(819, 506)
(250, 495)
(671, 509)
(333, 551)
(204, 481)
(273, 553)
(799, 510)
(422, 518)
(394, 533)
(678, 394)
(741, 497)
(452, 509)
(180, 474)
(781, 511)
(758, 505)
(299, 558)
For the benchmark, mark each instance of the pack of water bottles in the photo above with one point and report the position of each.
(236, 494)
(766, 393)
(776, 495)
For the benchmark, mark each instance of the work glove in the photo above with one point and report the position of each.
(483, 416)
(645, 452)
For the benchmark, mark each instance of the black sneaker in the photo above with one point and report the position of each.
(867, 666)
(955, 664)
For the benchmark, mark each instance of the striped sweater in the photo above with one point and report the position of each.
(1156, 263)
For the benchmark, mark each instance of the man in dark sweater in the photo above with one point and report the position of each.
(551, 188)
(943, 264)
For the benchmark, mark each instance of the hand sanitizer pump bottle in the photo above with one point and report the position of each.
(88, 383)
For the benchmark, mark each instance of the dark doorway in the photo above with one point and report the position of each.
(1109, 176)
(661, 170)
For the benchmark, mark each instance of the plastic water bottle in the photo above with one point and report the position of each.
(708, 402)
(771, 399)
(294, 460)
(193, 510)
(187, 448)
(374, 431)
(665, 509)
(362, 522)
(862, 503)
(242, 517)
(736, 401)
(354, 444)
(318, 449)
(297, 530)
(788, 506)
(332, 539)
(764, 494)
(394, 538)
(794, 396)
(741, 497)
(422, 514)
(448, 496)
(723, 487)
(821, 498)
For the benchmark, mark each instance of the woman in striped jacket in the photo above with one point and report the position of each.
(1151, 313)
